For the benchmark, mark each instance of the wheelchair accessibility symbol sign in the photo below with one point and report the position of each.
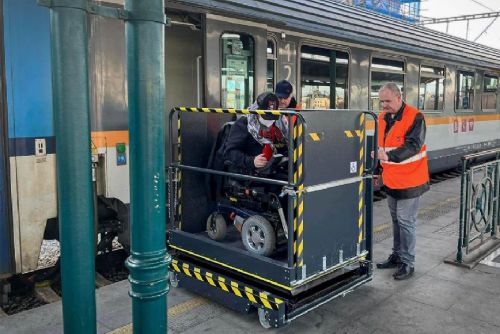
(354, 167)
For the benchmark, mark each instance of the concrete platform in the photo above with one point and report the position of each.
(440, 298)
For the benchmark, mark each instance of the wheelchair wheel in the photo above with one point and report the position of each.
(258, 235)
(216, 226)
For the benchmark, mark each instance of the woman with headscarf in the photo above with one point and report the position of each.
(255, 139)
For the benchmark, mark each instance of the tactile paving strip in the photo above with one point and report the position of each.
(449, 230)
(193, 316)
(439, 210)
(425, 215)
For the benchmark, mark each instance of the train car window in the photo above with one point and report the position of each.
(431, 91)
(324, 78)
(490, 92)
(465, 90)
(271, 65)
(383, 71)
(237, 71)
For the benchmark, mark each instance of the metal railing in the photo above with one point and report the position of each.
(479, 201)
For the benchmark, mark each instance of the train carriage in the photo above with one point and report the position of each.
(222, 54)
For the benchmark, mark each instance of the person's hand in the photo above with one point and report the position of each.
(382, 156)
(260, 161)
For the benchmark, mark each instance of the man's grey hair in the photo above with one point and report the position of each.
(392, 87)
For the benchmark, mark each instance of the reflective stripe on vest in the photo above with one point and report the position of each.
(414, 158)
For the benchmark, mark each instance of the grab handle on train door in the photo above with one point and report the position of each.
(374, 165)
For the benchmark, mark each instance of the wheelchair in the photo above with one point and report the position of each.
(257, 210)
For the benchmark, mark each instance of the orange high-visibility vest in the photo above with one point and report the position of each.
(412, 172)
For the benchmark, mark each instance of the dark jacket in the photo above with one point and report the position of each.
(414, 139)
(241, 148)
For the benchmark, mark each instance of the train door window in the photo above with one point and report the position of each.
(431, 91)
(324, 78)
(271, 65)
(237, 71)
(465, 90)
(490, 92)
(384, 71)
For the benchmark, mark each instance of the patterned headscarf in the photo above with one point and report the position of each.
(254, 127)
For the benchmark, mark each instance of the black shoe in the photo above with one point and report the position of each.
(392, 262)
(404, 271)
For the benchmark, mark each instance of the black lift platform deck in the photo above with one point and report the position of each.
(275, 308)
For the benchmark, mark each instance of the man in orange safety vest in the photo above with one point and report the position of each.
(403, 157)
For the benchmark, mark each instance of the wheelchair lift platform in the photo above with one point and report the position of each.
(326, 251)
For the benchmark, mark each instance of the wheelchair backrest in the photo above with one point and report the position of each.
(216, 161)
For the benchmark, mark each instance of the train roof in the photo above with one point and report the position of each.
(354, 24)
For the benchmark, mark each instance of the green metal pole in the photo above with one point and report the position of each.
(496, 197)
(74, 179)
(149, 260)
(463, 200)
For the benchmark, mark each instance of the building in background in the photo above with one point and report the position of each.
(407, 10)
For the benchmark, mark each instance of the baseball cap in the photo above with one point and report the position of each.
(284, 89)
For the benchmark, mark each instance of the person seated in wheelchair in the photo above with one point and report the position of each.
(257, 144)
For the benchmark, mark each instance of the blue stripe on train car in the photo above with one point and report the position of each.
(28, 80)
(28, 69)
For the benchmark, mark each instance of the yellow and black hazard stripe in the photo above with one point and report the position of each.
(179, 173)
(229, 111)
(298, 223)
(255, 296)
(315, 136)
(361, 183)
(354, 133)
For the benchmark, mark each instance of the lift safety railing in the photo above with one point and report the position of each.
(293, 187)
(479, 201)
(289, 114)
